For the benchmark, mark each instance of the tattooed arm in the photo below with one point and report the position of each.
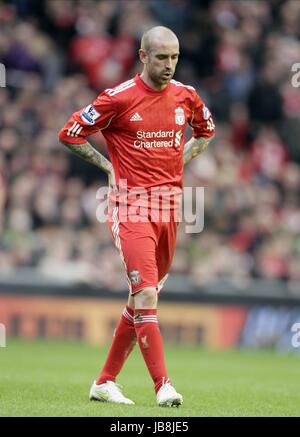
(87, 152)
(194, 147)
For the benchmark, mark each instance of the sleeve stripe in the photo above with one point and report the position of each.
(175, 82)
(71, 128)
(74, 130)
(77, 129)
(117, 91)
(119, 87)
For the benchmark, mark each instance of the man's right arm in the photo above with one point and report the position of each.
(89, 120)
(87, 152)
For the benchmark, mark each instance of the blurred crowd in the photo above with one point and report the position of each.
(238, 54)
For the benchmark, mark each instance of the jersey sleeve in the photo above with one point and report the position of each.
(201, 119)
(94, 117)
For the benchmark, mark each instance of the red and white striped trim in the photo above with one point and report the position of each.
(74, 130)
(122, 87)
(162, 282)
(127, 315)
(175, 82)
(165, 381)
(146, 319)
(115, 231)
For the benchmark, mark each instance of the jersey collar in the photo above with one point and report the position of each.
(141, 84)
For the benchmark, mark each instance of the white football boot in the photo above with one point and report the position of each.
(108, 392)
(167, 396)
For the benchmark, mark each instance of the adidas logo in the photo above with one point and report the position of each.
(136, 117)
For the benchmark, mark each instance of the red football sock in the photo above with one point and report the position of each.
(151, 344)
(123, 342)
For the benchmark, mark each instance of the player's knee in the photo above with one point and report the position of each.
(146, 298)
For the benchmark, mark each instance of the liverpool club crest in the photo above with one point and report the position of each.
(135, 277)
(179, 116)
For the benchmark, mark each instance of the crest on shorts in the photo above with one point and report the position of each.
(135, 277)
(179, 116)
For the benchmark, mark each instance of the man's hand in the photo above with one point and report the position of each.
(112, 181)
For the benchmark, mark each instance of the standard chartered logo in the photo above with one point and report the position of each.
(157, 139)
(155, 134)
(152, 144)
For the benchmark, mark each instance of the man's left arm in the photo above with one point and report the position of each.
(194, 147)
(203, 130)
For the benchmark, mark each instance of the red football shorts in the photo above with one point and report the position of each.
(146, 249)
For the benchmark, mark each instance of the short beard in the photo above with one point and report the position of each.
(159, 81)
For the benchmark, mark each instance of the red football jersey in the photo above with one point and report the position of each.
(143, 129)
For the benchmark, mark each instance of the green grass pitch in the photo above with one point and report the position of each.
(46, 378)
